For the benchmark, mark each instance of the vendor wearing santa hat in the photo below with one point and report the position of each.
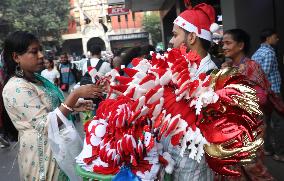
(193, 29)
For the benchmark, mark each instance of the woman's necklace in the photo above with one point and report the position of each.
(243, 59)
(34, 80)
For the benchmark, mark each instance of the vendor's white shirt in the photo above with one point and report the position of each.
(50, 75)
(206, 64)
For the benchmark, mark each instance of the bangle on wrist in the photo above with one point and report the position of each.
(67, 107)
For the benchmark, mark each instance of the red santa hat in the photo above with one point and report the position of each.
(200, 19)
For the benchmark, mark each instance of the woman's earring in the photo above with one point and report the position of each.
(19, 72)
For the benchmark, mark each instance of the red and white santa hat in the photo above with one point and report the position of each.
(200, 19)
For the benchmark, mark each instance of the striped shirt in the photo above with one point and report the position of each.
(186, 168)
(267, 59)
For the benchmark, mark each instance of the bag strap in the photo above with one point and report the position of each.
(62, 117)
(53, 129)
(99, 64)
(88, 63)
(97, 67)
(69, 73)
(59, 70)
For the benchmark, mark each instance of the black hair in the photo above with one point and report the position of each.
(145, 51)
(240, 36)
(17, 42)
(204, 43)
(95, 50)
(65, 54)
(130, 54)
(265, 33)
(49, 59)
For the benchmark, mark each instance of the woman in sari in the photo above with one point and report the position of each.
(28, 98)
(236, 44)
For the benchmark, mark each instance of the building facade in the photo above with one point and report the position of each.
(88, 26)
(127, 30)
(105, 23)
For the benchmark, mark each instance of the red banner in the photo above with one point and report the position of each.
(114, 11)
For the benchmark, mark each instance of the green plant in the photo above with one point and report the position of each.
(151, 24)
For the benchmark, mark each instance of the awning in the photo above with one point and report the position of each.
(145, 5)
(129, 36)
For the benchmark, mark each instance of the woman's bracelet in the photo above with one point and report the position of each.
(67, 107)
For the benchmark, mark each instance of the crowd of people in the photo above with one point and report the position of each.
(33, 85)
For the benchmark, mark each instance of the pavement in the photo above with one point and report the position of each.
(9, 170)
(275, 168)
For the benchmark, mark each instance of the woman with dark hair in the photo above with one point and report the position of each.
(145, 51)
(50, 72)
(129, 55)
(28, 98)
(236, 45)
(137, 52)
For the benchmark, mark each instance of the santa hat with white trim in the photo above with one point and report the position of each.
(200, 19)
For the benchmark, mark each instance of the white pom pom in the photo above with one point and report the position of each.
(171, 163)
(95, 141)
(169, 168)
(100, 130)
(158, 56)
(214, 27)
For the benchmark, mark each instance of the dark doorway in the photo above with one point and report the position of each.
(73, 46)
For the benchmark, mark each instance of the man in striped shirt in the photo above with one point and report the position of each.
(192, 28)
(266, 57)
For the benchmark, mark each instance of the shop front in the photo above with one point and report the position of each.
(122, 42)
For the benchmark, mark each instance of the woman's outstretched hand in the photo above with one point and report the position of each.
(89, 91)
(83, 105)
